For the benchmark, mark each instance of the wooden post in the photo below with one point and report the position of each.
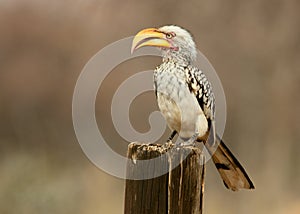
(179, 191)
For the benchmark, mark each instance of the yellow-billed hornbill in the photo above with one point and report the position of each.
(186, 99)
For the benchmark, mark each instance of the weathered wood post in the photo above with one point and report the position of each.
(178, 191)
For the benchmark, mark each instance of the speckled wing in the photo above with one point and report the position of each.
(202, 89)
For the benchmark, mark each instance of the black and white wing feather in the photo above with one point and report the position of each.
(200, 86)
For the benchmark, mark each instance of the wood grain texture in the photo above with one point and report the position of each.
(179, 191)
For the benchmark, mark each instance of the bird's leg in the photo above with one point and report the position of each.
(172, 136)
(169, 143)
(191, 141)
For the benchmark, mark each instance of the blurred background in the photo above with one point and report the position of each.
(253, 45)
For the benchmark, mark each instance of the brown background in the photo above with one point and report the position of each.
(253, 45)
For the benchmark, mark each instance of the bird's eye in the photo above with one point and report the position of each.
(170, 35)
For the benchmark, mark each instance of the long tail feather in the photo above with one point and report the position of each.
(232, 172)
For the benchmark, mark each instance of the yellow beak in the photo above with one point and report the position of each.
(149, 37)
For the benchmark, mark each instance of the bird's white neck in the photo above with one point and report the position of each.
(177, 57)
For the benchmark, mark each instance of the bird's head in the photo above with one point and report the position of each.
(175, 42)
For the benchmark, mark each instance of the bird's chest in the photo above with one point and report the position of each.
(177, 104)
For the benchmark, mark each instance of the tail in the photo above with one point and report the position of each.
(233, 174)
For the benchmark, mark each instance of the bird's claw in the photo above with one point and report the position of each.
(189, 142)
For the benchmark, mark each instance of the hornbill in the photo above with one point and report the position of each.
(186, 100)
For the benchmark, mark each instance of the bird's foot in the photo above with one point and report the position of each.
(168, 144)
(190, 142)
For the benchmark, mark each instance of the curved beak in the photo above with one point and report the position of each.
(149, 37)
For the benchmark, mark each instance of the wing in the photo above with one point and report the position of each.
(200, 86)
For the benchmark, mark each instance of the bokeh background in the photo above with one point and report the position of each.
(253, 45)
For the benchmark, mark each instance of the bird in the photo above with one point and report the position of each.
(186, 99)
